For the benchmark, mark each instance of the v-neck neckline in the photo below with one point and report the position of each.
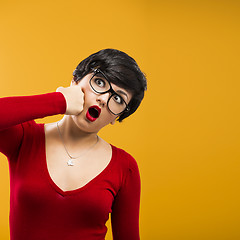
(77, 190)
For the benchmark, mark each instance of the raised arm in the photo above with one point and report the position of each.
(16, 110)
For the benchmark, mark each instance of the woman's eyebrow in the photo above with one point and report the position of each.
(122, 92)
(100, 76)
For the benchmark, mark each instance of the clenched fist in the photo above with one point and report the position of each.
(74, 97)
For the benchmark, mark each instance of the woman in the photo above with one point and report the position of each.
(64, 179)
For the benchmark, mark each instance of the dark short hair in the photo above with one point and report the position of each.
(121, 70)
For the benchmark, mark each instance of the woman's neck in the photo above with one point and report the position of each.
(73, 136)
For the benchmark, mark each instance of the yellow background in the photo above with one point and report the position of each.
(185, 135)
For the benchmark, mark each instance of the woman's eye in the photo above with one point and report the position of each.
(100, 82)
(118, 99)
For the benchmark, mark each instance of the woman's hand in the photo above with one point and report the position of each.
(74, 96)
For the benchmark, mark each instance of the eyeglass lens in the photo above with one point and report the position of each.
(99, 84)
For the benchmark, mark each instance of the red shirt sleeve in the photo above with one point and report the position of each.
(17, 110)
(125, 210)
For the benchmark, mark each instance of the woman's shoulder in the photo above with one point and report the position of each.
(32, 129)
(32, 124)
(125, 157)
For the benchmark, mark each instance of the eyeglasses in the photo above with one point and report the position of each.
(100, 84)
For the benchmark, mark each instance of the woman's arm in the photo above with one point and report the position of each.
(125, 210)
(16, 110)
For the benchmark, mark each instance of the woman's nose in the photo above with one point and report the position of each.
(103, 98)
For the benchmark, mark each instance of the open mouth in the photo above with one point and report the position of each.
(93, 113)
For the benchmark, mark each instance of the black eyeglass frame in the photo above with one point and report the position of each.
(109, 90)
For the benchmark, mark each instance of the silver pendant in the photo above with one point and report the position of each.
(70, 162)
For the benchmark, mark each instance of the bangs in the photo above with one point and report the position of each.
(124, 79)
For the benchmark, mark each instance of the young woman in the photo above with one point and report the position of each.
(64, 179)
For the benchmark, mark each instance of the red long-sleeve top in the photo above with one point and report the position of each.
(39, 209)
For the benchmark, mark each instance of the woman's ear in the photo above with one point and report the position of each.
(73, 82)
(113, 122)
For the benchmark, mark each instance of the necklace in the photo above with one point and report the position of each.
(70, 161)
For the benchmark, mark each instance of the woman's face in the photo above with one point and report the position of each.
(96, 114)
